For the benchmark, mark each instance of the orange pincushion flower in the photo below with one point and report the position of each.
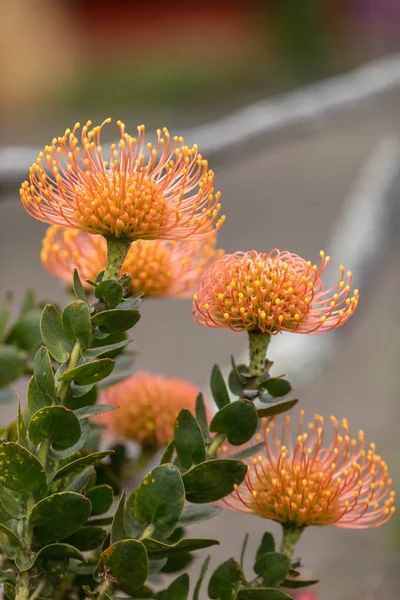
(302, 482)
(272, 292)
(65, 249)
(168, 195)
(148, 406)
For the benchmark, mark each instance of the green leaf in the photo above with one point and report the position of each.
(26, 332)
(101, 497)
(225, 581)
(60, 551)
(276, 409)
(262, 594)
(43, 374)
(13, 362)
(276, 386)
(218, 387)
(194, 513)
(21, 428)
(200, 580)
(10, 534)
(272, 567)
(156, 549)
(213, 480)
(168, 453)
(36, 399)
(76, 482)
(76, 322)
(110, 291)
(59, 516)
(61, 454)
(12, 503)
(127, 559)
(77, 286)
(159, 500)
(201, 415)
(173, 564)
(267, 545)
(53, 336)
(102, 350)
(90, 411)
(9, 591)
(57, 424)
(238, 420)
(87, 538)
(91, 372)
(179, 589)
(20, 470)
(189, 440)
(250, 451)
(114, 320)
(118, 527)
(298, 583)
(90, 459)
(236, 380)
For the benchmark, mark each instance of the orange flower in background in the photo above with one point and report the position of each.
(143, 191)
(148, 406)
(65, 249)
(272, 292)
(303, 481)
(156, 267)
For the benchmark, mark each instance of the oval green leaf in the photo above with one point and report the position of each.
(111, 321)
(225, 581)
(194, 513)
(59, 516)
(127, 559)
(110, 291)
(76, 322)
(53, 336)
(276, 386)
(60, 551)
(238, 420)
(90, 459)
(57, 424)
(43, 374)
(179, 589)
(90, 372)
(213, 480)
(218, 387)
(20, 470)
(156, 549)
(87, 538)
(272, 567)
(101, 497)
(189, 440)
(276, 409)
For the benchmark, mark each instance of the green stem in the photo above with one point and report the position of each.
(72, 363)
(215, 444)
(23, 579)
(117, 249)
(148, 532)
(291, 535)
(258, 350)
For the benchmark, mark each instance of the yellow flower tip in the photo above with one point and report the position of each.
(148, 406)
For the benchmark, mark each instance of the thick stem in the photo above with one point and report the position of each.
(73, 362)
(23, 579)
(258, 351)
(215, 444)
(22, 586)
(117, 249)
(291, 535)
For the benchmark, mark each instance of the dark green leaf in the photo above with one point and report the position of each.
(60, 551)
(173, 564)
(21, 428)
(36, 399)
(225, 581)
(91, 372)
(89, 411)
(194, 513)
(12, 502)
(118, 526)
(243, 550)
(168, 453)
(57, 424)
(87, 538)
(76, 322)
(78, 287)
(262, 594)
(238, 420)
(236, 380)
(13, 362)
(90, 459)
(272, 567)
(76, 482)
(276, 409)
(298, 583)
(203, 571)
(276, 386)
(159, 500)
(52, 331)
(9, 591)
(189, 440)
(20, 470)
(10, 534)
(179, 589)
(158, 549)
(61, 454)
(106, 349)
(110, 291)
(87, 393)
(267, 545)
(128, 561)
(43, 374)
(26, 332)
(250, 451)
(7, 575)
(218, 387)
(213, 480)
(59, 516)
(201, 415)
(101, 497)
(111, 321)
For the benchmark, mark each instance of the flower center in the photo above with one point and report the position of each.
(128, 208)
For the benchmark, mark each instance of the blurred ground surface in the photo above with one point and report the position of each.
(286, 194)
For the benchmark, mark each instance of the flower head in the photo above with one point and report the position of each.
(167, 194)
(272, 292)
(304, 481)
(148, 406)
(65, 249)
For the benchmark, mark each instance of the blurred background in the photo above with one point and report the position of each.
(188, 65)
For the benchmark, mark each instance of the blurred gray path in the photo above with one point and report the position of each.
(287, 195)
